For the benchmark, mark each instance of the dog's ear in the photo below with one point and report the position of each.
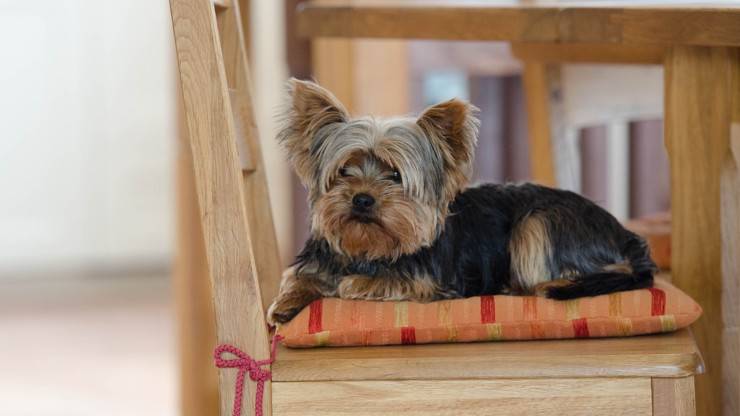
(310, 108)
(453, 125)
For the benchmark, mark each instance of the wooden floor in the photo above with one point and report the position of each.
(87, 347)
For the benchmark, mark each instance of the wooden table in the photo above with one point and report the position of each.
(701, 44)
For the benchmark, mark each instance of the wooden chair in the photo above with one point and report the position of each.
(637, 376)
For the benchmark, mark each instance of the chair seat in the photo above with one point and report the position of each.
(664, 355)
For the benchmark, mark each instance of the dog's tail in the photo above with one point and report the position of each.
(635, 273)
(600, 284)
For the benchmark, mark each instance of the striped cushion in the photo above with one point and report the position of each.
(336, 322)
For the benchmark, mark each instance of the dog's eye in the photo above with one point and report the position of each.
(343, 172)
(396, 176)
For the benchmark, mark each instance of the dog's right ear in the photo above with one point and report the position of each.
(310, 108)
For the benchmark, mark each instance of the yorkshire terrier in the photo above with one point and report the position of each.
(392, 219)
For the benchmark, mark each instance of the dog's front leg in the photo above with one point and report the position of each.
(297, 292)
(418, 289)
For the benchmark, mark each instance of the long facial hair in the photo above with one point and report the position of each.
(397, 223)
(337, 157)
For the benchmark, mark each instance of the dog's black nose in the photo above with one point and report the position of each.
(363, 201)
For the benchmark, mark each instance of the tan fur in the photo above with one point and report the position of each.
(531, 251)
(566, 276)
(295, 293)
(311, 107)
(400, 227)
(623, 267)
(419, 289)
(541, 289)
(453, 125)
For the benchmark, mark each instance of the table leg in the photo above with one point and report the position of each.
(348, 69)
(332, 61)
(537, 91)
(702, 111)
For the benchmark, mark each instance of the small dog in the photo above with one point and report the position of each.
(391, 218)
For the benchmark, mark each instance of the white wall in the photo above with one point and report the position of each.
(87, 128)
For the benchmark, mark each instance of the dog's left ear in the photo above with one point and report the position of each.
(454, 125)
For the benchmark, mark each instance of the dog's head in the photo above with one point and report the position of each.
(378, 188)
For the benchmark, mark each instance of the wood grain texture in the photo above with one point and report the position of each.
(730, 202)
(609, 53)
(333, 68)
(257, 199)
(196, 322)
(245, 16)
(674, 397)
(230, 201)
(536, 81)
(349, 69)
(222, 3)
(393, 74)
(574, 22)
(701, 93)
(667, 355)
(596, 396)
(233, 49)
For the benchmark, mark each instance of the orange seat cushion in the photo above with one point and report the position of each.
(337, 322)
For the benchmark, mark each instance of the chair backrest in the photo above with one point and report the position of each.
(236, 219)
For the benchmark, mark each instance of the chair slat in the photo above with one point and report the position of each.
(222, 3)
(226, 195)
(238, 103)
(259, 212)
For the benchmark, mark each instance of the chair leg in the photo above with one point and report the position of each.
(567, 152)
(618, 151)
(674, 397)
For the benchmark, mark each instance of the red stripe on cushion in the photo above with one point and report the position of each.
(658, 306)
(314, 317)
(487, 310)
(408, 335)
(580, 328)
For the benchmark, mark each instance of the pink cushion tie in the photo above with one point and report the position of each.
(245, 364)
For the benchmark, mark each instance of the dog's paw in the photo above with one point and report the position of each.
(282, 310)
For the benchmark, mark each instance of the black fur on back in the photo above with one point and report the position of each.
(471, 256)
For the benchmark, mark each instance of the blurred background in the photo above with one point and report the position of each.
(89, 109)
